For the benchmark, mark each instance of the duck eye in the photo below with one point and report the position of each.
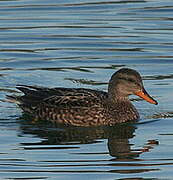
(131, 80)
(128, 79)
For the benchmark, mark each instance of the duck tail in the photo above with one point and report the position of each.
(13, 99)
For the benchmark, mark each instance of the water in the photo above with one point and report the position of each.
(80, 43)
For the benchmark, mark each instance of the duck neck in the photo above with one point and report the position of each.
(121, 108)
(116, 96)
(119, 104)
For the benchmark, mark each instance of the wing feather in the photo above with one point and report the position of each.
(36, 96)
(74, 100)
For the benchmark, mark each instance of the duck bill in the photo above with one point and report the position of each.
(144, 95)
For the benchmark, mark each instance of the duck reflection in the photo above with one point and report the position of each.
(118, 137)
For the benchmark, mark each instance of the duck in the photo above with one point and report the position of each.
(82, 106)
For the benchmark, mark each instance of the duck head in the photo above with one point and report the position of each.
(126, 82)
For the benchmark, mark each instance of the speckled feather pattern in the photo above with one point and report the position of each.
(74, 106)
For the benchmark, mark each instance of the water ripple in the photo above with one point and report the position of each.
(81, 43)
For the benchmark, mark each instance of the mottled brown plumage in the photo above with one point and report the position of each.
(85, 107)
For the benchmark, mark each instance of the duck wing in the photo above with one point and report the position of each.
(78, 98)
(36, 97)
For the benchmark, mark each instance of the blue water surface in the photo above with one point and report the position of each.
(80, 43)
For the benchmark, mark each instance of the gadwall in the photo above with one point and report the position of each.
(85, 107)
